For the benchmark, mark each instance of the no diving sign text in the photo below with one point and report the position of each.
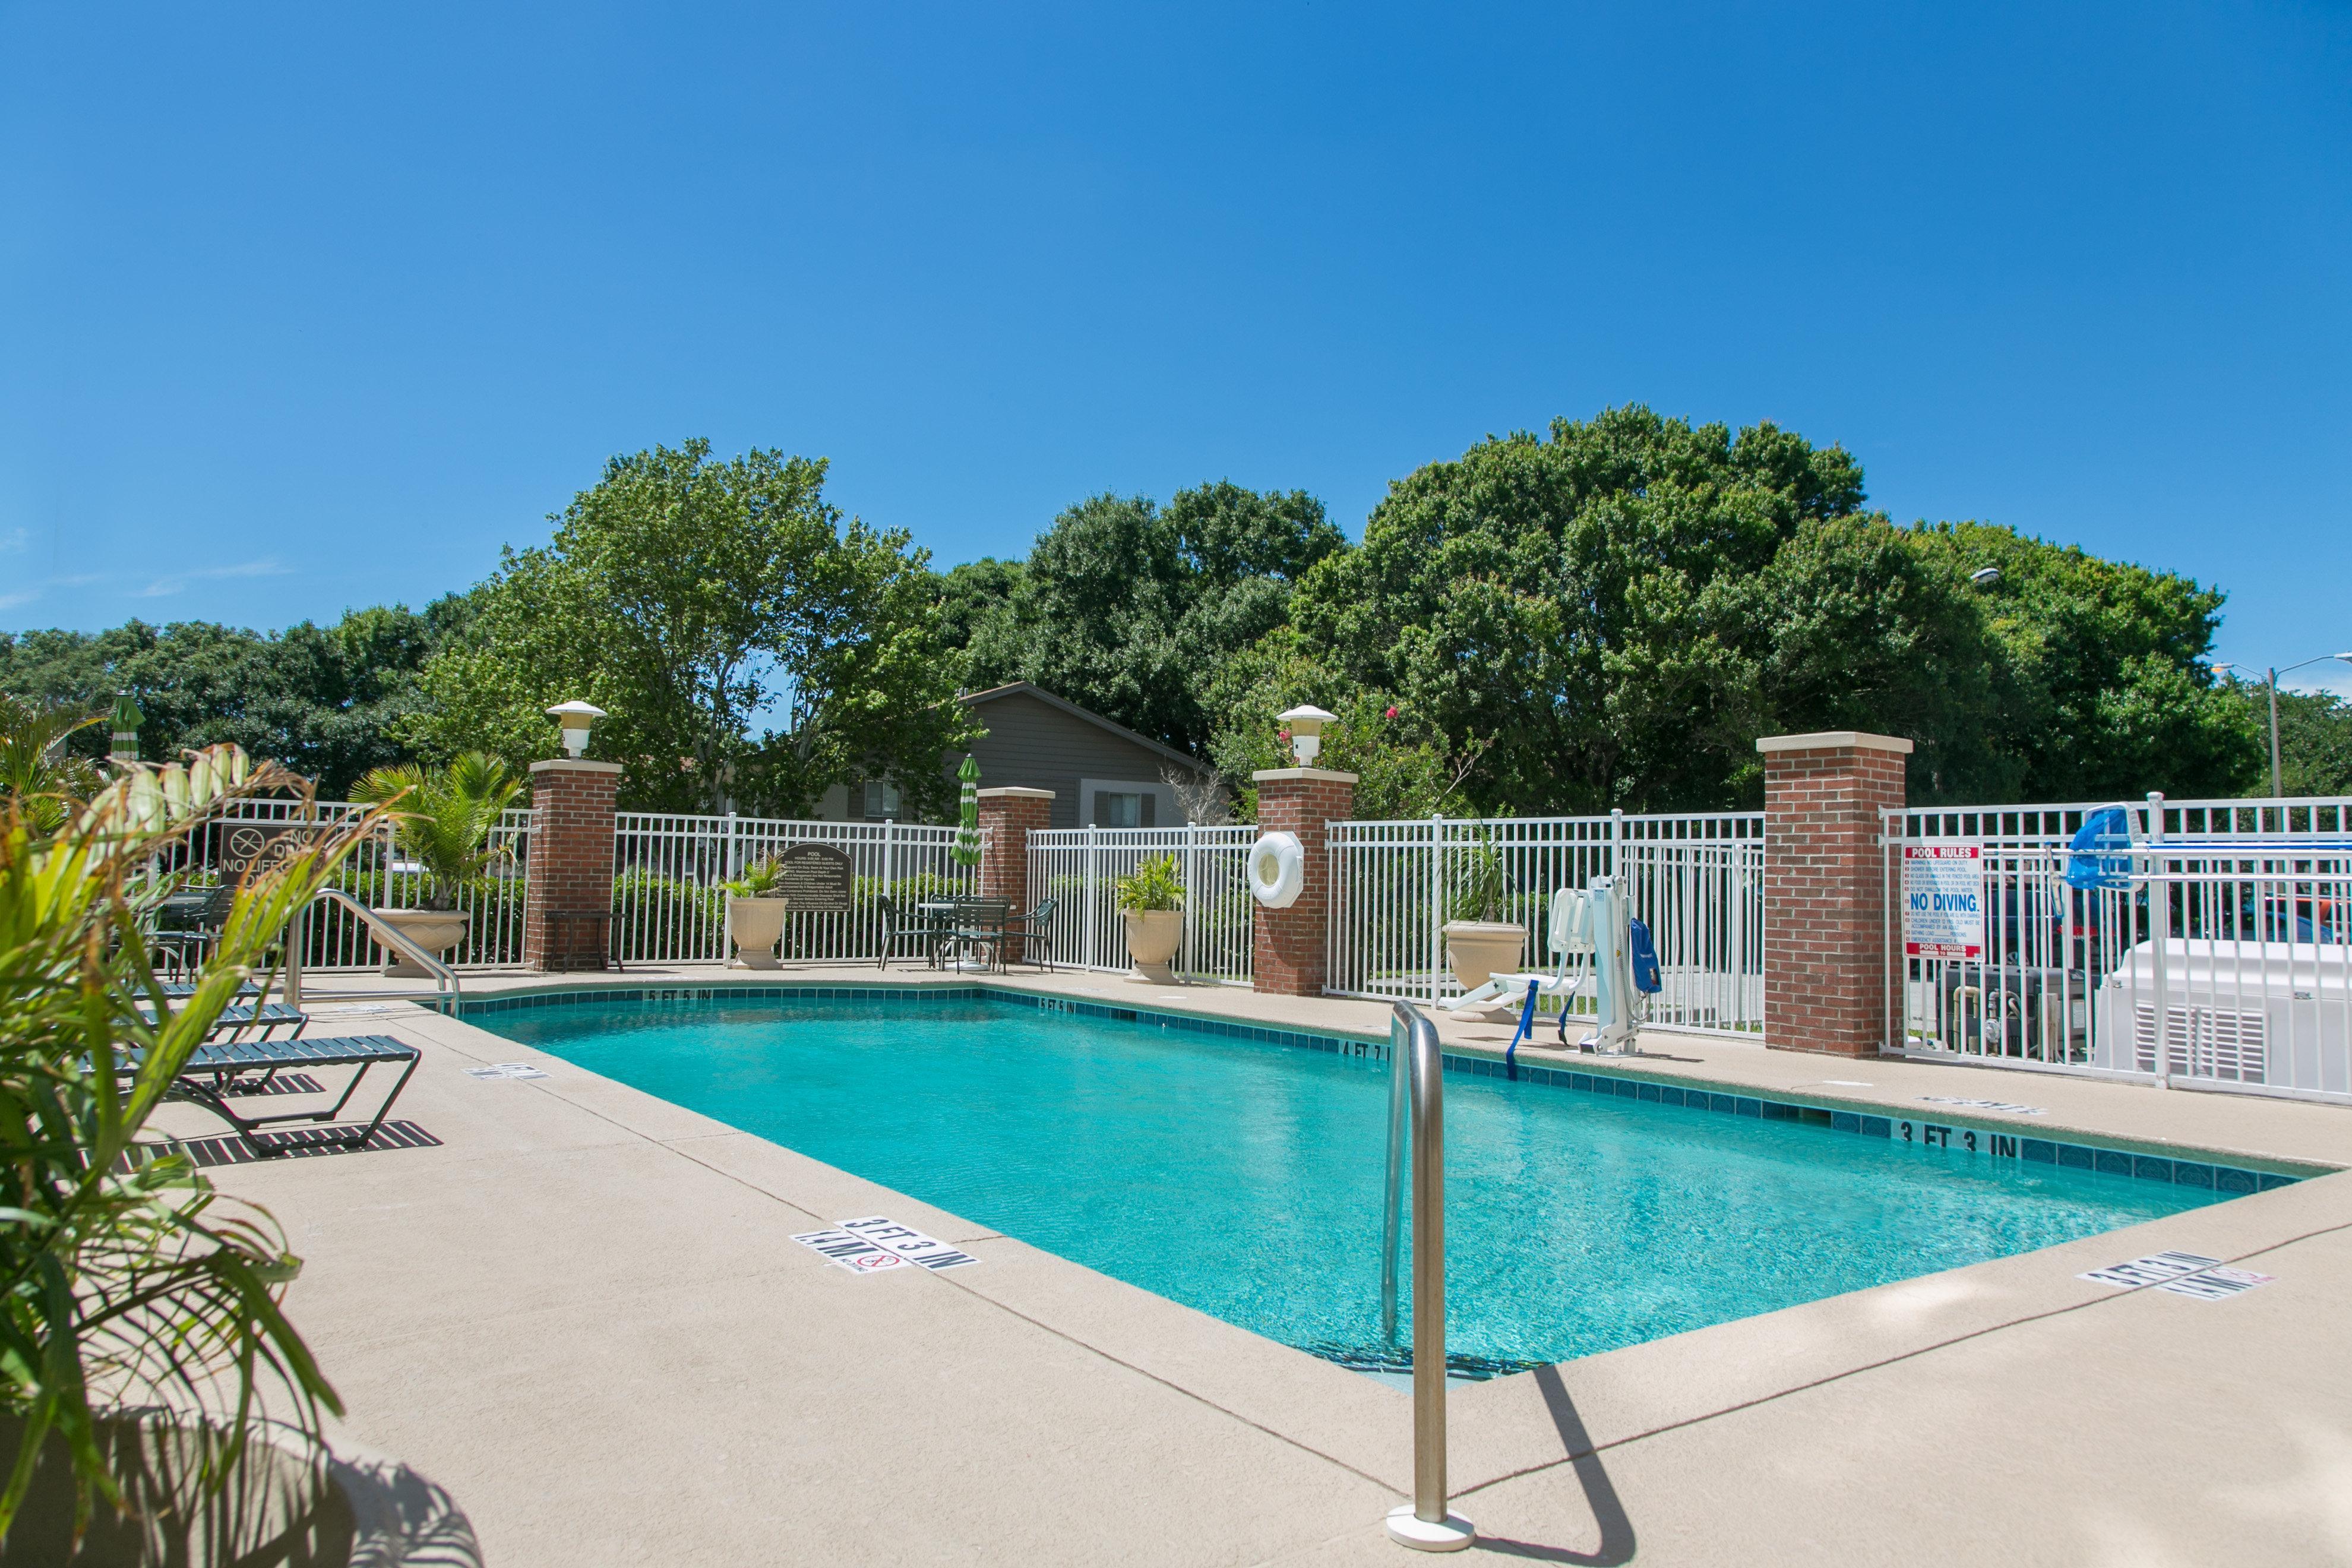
(875, 1243)
(1943, 901)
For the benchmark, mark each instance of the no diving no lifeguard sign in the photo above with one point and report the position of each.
(1943, 901)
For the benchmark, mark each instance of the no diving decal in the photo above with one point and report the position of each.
(2181, 1273)
(876, 1244)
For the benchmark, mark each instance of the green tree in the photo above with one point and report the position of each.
(1127, 609)
(689, 598)
(322, 700)
(2314, 739)
(1583, 603)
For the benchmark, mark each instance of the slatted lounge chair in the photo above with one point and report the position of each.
(213, 1069)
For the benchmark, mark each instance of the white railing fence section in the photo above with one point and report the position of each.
(377, 874)
(1695, 879)
(2222, 963)
(669, 902)
(1078, 868)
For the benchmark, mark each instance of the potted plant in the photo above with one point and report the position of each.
(1151, 902)
(1478, 941)
(442, 820)
(755, 915)
(156, 1402)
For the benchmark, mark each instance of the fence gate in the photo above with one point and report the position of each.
(2209, 947)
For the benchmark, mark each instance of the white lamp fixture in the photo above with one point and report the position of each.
(576, 717)
(1306, 722)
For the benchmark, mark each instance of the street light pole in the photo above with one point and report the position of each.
(2277, 785)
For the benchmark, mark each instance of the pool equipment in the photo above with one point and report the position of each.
(1278, 870)
(1591, 931)
(1417, 1072)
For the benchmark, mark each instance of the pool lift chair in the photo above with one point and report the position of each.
(1592, 934)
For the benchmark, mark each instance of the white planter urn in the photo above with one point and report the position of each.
(755, 926)
(435, 931)
(1153, 938)
(1477, 950)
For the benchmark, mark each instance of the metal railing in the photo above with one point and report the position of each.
(447, 991)
(2214, 953)
(376, 875)
(1078, 868)
(669, 901)
(1695, 879)
(1417, 1078)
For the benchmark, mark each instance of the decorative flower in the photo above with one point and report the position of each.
(1392, 713)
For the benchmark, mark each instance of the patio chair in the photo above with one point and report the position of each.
(187, 923)
(213, 1069)
(904, 924)
(980, 928)
(1034, 932)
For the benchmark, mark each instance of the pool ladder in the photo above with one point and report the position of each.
(1417, 1095)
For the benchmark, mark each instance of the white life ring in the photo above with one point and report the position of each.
(1278, 870)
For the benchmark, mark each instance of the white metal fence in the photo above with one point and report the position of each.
(669, 905)
(377, 875)
(1076, 869)
(2219, 956)
(1695, 879)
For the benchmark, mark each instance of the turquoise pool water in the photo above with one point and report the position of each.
(1243, 1178)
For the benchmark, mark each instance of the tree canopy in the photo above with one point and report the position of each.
(1129, 609)
(324, 700)
(693, 598)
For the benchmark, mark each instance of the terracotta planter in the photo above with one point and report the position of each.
(1153, 938)
(1479, 949)
(435, 931)
(755, 926)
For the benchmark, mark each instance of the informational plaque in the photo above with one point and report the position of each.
(255, 847)
(1943, 901)
(814, 880)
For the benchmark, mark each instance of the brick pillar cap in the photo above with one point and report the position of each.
(573, 765)
(1280, 776)
(1834, 739)
(1008, 792)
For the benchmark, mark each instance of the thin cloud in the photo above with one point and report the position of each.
(16, 539)
(164, 586)
(10, 601)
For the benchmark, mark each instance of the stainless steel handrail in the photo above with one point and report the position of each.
(446, 992)
(1417, 1059)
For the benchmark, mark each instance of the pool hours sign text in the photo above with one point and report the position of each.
(1943, 901)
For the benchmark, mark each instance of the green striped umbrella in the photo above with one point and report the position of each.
(967, 841)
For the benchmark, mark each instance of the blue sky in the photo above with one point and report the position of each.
(306, 307)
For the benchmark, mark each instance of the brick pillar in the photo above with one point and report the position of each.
(1292, 947)
(1007, 817)
(1826, 966)
(571, 868)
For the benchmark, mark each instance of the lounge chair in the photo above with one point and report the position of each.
(214, 1070)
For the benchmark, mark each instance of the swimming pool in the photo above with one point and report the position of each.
(1244, 1177)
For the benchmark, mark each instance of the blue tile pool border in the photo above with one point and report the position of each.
(1997, 1141)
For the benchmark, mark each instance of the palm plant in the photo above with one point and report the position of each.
(36, 771)
(444, 817)
(126, 1280)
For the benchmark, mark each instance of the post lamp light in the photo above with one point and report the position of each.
(1306, 722)
(577, 718)
(2272, 676)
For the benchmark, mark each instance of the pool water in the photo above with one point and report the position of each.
(1245, 1178)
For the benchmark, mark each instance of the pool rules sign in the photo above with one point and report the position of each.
(1943, 901)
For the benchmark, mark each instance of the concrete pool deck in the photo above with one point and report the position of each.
(580, 1309)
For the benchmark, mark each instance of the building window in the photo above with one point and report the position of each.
(1116, 810)
(882, 802)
